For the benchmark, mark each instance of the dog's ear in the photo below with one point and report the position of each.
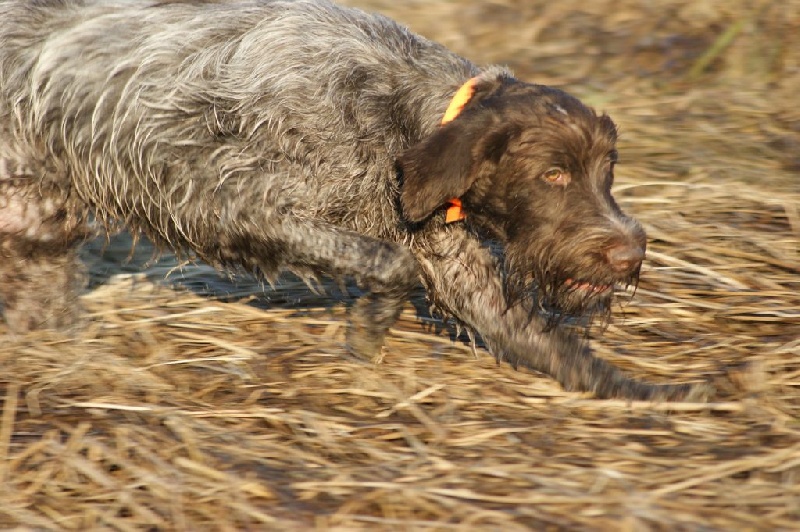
(445, 165)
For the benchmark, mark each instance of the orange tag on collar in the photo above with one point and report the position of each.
(455, 212)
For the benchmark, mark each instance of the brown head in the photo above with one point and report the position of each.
(533, 168)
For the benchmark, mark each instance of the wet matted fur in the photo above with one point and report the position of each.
(304, 136)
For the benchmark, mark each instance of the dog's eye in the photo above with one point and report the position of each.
(556, 176)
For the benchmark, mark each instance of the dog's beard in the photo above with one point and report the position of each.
(558, 298)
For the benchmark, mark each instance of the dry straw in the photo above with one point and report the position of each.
(172, 409)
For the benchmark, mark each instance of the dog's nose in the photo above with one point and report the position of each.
(625, 258)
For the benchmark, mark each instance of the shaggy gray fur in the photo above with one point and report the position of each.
(303, 136)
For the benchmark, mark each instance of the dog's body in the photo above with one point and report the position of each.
(303, 136)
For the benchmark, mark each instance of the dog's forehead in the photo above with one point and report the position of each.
(563, 124)
(575, 122)
(573, 114)
(558, 109)
(542, 106)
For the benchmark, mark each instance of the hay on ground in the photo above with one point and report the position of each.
(201, 404)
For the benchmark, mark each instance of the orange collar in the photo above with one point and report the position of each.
(454, 211)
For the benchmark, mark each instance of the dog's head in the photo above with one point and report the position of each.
(533, 168)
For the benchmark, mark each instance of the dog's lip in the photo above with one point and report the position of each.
(586, 286)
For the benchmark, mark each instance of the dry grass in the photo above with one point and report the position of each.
(173, 410)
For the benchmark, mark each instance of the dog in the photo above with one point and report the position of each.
(303, 136)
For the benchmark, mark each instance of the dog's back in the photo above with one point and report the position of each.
(228, 100)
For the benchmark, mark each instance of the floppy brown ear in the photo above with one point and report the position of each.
(445, 165)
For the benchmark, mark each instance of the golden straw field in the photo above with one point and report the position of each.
(189, 401)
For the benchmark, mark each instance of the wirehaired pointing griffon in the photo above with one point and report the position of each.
(302, 136)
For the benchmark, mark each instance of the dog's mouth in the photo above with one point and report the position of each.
(587, 287)
(577, 298)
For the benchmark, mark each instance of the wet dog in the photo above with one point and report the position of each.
(303, 136)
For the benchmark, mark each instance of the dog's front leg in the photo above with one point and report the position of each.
(462, 278)
(386, 271)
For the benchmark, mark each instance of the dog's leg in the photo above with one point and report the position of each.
(462, 277)
(41, 275)
(388, 272)
(385, 270)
